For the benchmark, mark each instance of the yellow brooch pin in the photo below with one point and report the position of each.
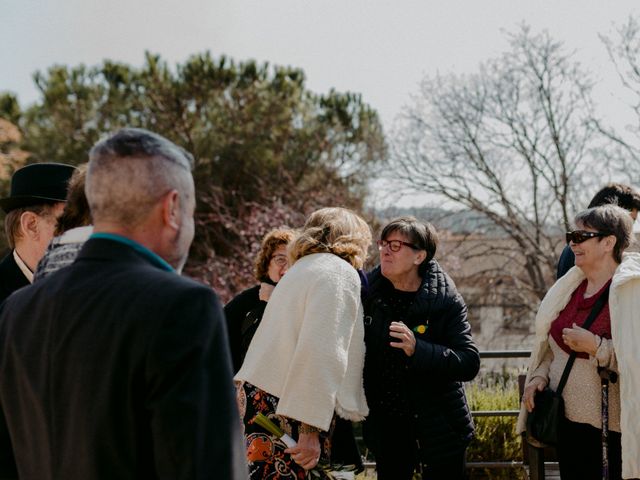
(420, 329)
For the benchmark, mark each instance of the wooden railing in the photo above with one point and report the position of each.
(531, 456)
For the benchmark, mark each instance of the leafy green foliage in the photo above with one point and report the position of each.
(267, 150)
(9, 107)
(496, 439)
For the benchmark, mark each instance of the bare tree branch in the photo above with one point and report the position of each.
(510, 143)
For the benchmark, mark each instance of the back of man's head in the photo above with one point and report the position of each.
(130, 171)
(617, 194)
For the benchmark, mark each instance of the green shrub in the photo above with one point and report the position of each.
(496, 439)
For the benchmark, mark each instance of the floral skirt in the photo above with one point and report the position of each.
(265, 452)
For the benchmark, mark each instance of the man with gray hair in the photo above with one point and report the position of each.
(116, 366)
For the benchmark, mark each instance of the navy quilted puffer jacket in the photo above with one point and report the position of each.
(445, 356)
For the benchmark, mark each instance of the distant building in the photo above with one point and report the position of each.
(493, 283)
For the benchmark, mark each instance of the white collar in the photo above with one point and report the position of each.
(23, 266)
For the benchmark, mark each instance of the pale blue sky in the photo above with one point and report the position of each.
(381, 49)
(378, 48)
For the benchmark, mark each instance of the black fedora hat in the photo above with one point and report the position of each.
(38, 183)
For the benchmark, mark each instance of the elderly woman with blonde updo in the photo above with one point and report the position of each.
(305, 362)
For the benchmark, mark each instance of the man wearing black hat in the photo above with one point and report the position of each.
(38, 192)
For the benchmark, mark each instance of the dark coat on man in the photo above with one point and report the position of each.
(431, 380)
(114, 368)
(566, 262)
(11, 277)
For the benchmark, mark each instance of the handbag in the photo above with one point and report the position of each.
(544, 421)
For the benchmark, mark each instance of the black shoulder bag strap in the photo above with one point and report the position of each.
(597, 308)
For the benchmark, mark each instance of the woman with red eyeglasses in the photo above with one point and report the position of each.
(609, 344)
(418, 352)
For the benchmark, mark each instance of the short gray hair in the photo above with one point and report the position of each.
(612, 220)
(130, 171)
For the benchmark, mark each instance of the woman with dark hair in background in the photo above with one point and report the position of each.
(418, 352)
(244, 311)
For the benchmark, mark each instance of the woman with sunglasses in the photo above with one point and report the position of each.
(611, 342)
(244, 311)
(419, 350)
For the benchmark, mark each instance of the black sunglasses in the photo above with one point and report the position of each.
(579, 236)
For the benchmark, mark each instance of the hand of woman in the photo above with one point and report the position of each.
(265, 291)
(307, 452)
(580, 340)
(536, 384)
(406, 339)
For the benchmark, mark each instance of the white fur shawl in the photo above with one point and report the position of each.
(309, 348)
(624, 307)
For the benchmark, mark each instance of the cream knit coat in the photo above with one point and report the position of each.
(624, 308)
(309, 348)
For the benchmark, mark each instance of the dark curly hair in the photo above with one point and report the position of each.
(270, 243)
